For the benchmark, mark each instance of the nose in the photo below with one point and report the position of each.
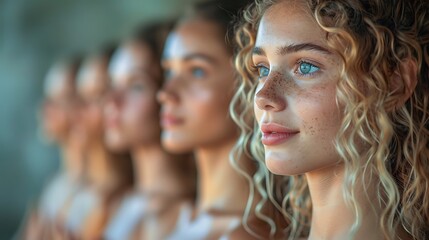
(79, 114)
(114, 97)
(269, 96)
(168, 92)
(113, 102)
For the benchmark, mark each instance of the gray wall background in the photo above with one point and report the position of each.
(32, 34)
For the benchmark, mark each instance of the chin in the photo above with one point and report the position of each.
(113, 137)
(174, 144)
(116, 146)
(281, 165)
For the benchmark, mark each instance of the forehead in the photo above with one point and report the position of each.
(138, 52)
(58, 81)
(129, 56)
(195, 36)
(288, 22)
(93, 75)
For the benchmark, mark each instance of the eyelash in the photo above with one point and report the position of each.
(136, 87)
(195, 71)
(167, 73)
(299, 64)
(198, 72)
(257, 68)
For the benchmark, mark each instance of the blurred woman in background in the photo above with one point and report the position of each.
(109, 175)
(163, 182)
(199, 83)
(59, 115)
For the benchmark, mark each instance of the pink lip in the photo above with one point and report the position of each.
(112, 122)
(169, 120)
(274, 134)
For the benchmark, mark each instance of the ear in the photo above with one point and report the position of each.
(404, 82)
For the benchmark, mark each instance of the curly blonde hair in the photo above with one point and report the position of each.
(373, 39)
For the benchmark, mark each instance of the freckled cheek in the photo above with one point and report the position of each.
(320, 115)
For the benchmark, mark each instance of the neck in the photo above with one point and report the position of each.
(101, 174)
(331, 217)
(72, 160)
(157, 172)
(220, 187)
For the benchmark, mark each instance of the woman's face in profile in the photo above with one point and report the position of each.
(131, 111)
(199, 83)
(295, 100)
(92, 83)
(58, 103)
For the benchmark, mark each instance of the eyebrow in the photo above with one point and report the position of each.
(258, 51)
(200, 56)
(283, 50)
(195, 56)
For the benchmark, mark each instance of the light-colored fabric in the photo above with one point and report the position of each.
(235, 223)
(55, 196)
(126, 218)
(80, 208)
(202, 227)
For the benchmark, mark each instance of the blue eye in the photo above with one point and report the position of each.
(137, 87)
(167, 73)
(305, 68)
(263, 71)
(198, 72)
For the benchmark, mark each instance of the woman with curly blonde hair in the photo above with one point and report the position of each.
(340, 95)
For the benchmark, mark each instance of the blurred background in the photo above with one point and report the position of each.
(32, 35)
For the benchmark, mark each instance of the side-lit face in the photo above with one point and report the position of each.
(198, 88)
(295, 103)
(58, 105)
(92, 81)
(132, 112)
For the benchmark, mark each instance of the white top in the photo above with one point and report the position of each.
(80, 208)
(126, 218)
(199, 228)
(55, 196)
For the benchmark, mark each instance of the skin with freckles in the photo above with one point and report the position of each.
(304, 103)
(295, 104)
(340, 94)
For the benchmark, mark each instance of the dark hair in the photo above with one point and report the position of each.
(108, 50)
(224, 13)
(154, 36)
(73, 63)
